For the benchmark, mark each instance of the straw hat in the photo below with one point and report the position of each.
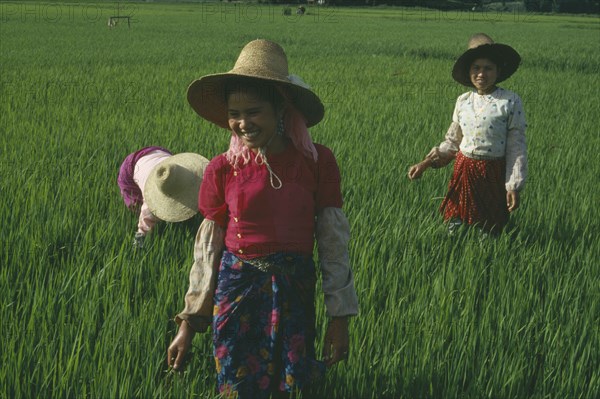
(482, 46)
(171, 190)
(262, 60)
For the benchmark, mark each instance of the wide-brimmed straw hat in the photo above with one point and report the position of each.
(260, 60)
(482, 46)
(171, 190)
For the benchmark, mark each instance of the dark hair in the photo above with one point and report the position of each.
(264, 90)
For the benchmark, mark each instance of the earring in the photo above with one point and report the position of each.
(280, 128)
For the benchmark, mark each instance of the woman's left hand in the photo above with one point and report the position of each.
(512, 200)
(337, 341)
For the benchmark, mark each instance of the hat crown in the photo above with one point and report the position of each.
(171, 190)
(172, 178)
(479, 40)
(262, 58)
(263, 61)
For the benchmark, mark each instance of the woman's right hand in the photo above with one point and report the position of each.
(417, 170)
(337, 341)
(180, 345)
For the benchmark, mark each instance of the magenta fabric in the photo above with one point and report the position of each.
(260, 220)
(131, 193)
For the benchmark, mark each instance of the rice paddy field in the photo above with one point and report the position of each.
(83, 315)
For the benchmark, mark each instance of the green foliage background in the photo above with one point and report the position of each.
(82, 315)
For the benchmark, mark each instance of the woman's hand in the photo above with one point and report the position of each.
(138, 240)
(417, 170)
(337, 342)
(512, 200)
(180, 345)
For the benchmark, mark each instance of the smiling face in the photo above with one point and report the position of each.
(253, 119)
(254, 109)
(483, 73)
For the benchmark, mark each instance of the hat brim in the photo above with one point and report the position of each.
(207, 97)
(507, 58)
(184, 204)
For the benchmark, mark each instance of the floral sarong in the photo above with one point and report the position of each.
(264, 326)
(476, 193)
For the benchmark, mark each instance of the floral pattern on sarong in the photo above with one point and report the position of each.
(264, 327)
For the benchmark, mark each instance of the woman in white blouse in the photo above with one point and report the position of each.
(486, 138)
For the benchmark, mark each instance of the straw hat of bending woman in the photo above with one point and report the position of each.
(265, 201)
(162, 186)
(487, 139)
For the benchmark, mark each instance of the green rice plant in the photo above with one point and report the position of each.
(84, 315)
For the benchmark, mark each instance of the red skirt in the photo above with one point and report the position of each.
(477, 194)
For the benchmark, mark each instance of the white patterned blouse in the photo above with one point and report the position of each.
(490, 126)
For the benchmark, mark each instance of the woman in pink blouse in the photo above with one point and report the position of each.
(487, 139)
(265, 201)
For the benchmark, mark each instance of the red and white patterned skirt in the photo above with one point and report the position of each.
(477, 194)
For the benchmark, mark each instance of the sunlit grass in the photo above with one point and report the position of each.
(84, 315)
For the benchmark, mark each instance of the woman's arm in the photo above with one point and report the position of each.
(146, 222)
(197, 314)
(208, 249)
(341, 301)
(516, 154)
(441, 155)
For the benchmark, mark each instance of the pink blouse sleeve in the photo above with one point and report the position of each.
(329, 181)
(147, 220)
(211, 199)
